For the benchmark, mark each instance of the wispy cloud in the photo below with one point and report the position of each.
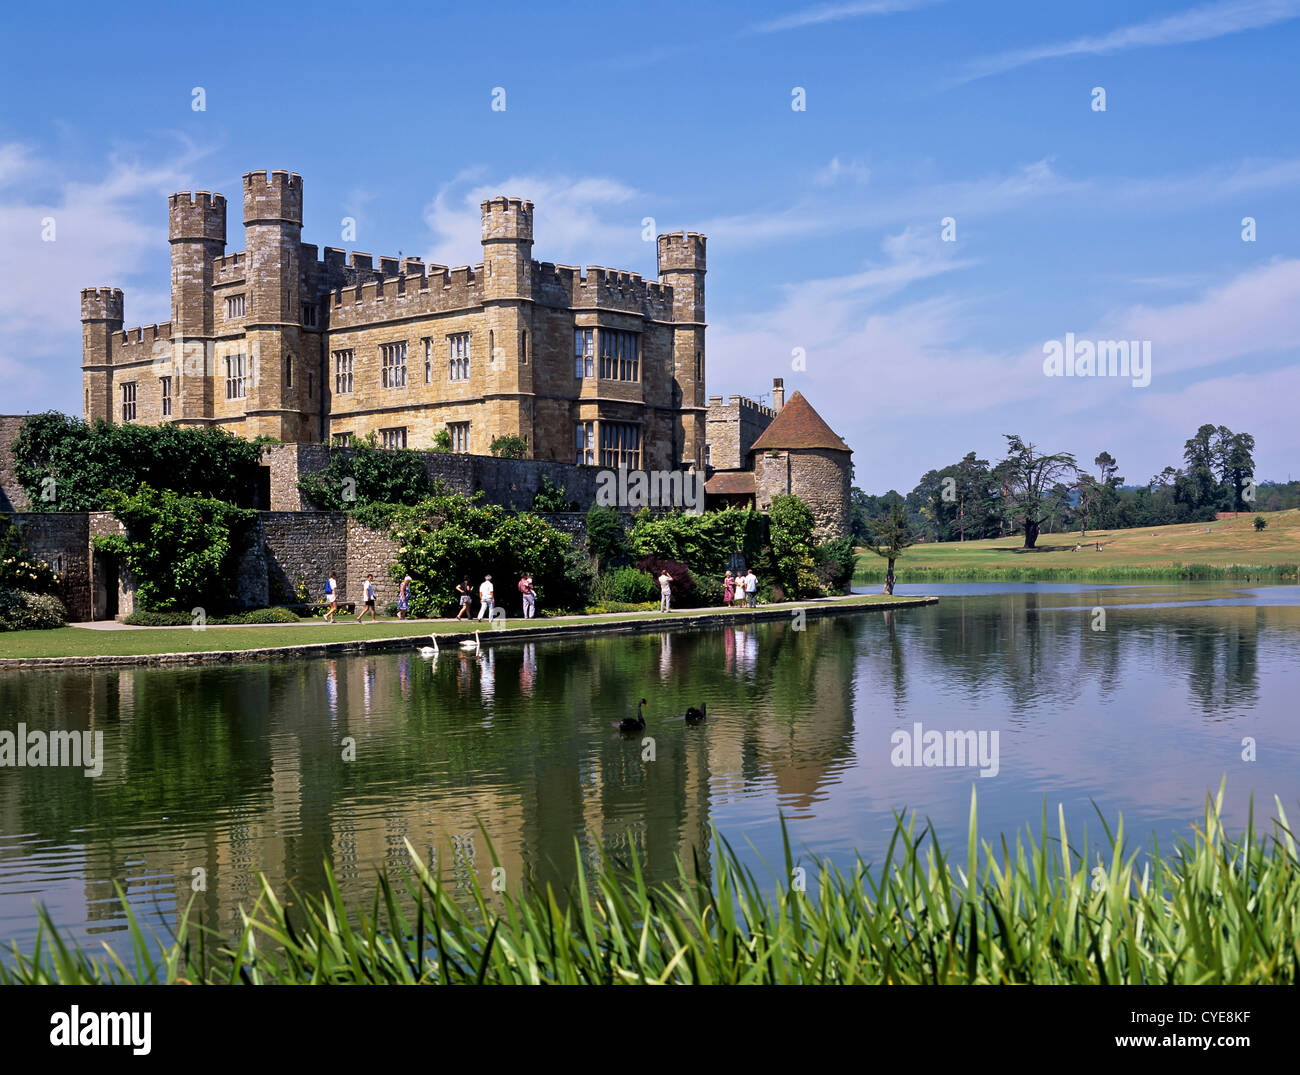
(104, 230)
(577, 219)
(823, 13)
(1196, 24)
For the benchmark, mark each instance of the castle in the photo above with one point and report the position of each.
(604, 368)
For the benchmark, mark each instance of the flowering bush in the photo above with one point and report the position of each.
(19, 570)
(20, 611)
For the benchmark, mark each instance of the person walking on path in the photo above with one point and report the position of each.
(368, 592)
(665, 591)
(403, 597)
(466, 593)
(332, 596)
(751, 589)
(529, 595)
(485, 598)
(728, 589)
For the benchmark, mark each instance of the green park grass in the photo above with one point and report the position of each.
(143, 641)
(1232, 549)
(1213, 910)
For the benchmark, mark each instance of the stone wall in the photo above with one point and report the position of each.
(370, 552)
(12, 496)
(304, 547)
(63, 542)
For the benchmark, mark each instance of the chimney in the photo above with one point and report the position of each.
(778, 393)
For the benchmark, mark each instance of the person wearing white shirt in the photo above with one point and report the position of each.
(485, 598)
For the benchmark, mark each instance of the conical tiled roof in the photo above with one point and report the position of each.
(797, 425)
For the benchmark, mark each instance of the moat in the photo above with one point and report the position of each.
(236, 770)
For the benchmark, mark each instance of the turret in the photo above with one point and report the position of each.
(277, 398)
(197, 231)
(102, 315)
(508, 309)
(682, 266)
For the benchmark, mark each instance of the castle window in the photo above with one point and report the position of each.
(428, 361)
(699, 365)
(708, 455)
(393, 360)
(128, 401)
(458, 352)
(618, 357)
(523, 347)
(393, 438)
(309, 315)
(87, 406)
(584, 436)
(166, 383)
(492, 346)
(311, 389)
(342, 372)
(235, 306)
(341, 440)
(584, 352)
(236, 380)
(288, 371)
(459, 436)
(620, 445)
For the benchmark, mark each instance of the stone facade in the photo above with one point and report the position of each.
(274, 340)
(63, 542)
(765, 452)
(732, 427)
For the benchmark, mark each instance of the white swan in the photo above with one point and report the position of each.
(467, 644)
(430, 651)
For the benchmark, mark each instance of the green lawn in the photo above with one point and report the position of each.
(85, 642)
(1231, 549)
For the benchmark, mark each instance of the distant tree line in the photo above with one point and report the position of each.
(1029, 492)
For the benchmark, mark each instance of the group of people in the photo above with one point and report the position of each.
(738, 588)
(735, 590)
(487, 597)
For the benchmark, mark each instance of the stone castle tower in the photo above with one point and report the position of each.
(598, 367)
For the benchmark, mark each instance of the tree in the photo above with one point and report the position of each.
(1030, 480)
(606, 537)
(890, 535)
(1236, 461)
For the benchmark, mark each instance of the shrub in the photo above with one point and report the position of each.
(442, 440)
(21, 610)
(834, 561)
(606, 536)
(620, 606)
(19, 570)
(684, 595)
(447, 538)
(185, 619)
(550, 497)
(791, 527)
(183, 551)
(85, 460)
(627, 585)
(1260, 522)
(509, 447)
(364, 474)
(705, 542)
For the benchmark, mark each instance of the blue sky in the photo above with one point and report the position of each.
(824, 225)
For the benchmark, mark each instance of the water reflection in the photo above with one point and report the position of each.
(242, 769)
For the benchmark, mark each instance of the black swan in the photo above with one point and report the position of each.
(632, 724)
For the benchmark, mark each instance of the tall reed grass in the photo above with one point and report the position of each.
(1217, 909)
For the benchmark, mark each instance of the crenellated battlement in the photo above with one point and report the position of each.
(102, 304)
(196, 215)
(681, 251)
(508, 219)
(409, 294)
(627, 292)
(274, 198)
